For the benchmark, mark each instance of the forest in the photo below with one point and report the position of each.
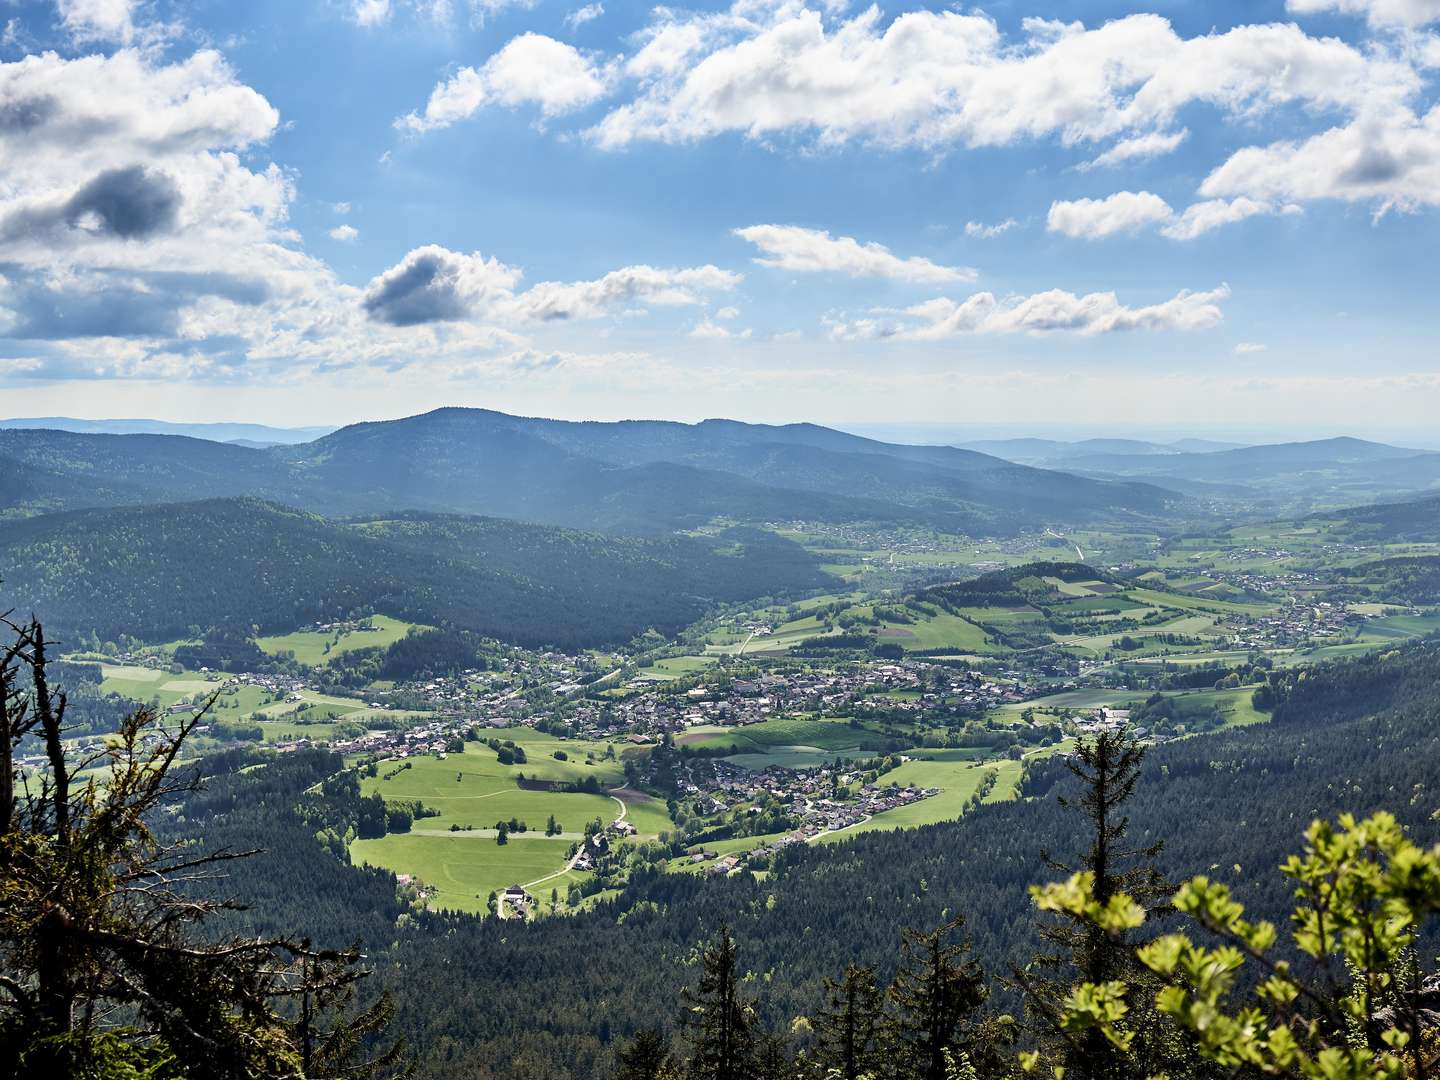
(245, 567)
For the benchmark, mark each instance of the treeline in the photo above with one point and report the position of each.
(240, 567)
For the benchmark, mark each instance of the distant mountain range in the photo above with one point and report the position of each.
(253, 435)
(1051, 453)
(632, 476)
(1275, 478)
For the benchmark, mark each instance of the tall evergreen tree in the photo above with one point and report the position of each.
(850, 1028)
(647, 1057)
(1081, 950)
(936, 994)
(721, 1021)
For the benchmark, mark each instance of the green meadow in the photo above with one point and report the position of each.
(314, 648)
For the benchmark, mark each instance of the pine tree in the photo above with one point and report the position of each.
(850, 1028)
(721, 1021)
(936, 993)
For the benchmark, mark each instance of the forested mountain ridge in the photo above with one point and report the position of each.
(633, 476)
(237, 564)
(799, 457)
(1229, 805)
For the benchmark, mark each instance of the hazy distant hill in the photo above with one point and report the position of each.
(1296, 476)
(1051, 453)
(237, 433)
(1418, 519)
(637, 476)
(234, 564)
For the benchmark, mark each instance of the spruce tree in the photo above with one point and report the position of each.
(850, 1028)
(1080, 950)
(646, 1057)
(720, 1020)
(936, 994)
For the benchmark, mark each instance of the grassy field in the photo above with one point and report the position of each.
(313, 648)
(957, 781)
(676, 667)
(465, 870)
(474, 789)
(791, 733)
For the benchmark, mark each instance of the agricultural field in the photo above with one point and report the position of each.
(314, 648)
(473, 792)
(463, 868)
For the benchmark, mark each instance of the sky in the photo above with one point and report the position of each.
(1077, 217)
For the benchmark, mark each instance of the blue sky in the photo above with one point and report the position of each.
(1077, 217)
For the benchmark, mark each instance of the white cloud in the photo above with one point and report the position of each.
(710, 330)
(554, 300)
(791, 247)
(1056, 311)
(1201, 217)
(531, 69)
(1091, 219)
(1246, 347)
(99, 20)
(728, 313)
(344, 233)
(1390, 158)
(978, 230)
(937, 79)
(1378, 12)
(1138, 148)
(370, 12)
(582, 15)
(341, 208)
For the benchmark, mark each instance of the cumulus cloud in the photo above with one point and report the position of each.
(939, 79)
(792, 247)
(531, 69)
(433, 284)
(1056, 311)
(344, 233)
(1091, 219)
(1139, 148)
(1378, 12)
(1246, 347)
(1390, 159)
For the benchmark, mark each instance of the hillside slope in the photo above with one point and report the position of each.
(247, 566)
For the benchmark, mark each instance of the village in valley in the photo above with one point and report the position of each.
(891, 706)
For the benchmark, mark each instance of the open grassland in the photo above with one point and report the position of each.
(788, 732)
(315, 648)
(463, 871)
(474, 791)
(677, 667)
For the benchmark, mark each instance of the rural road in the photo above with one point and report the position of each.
(569, 865)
